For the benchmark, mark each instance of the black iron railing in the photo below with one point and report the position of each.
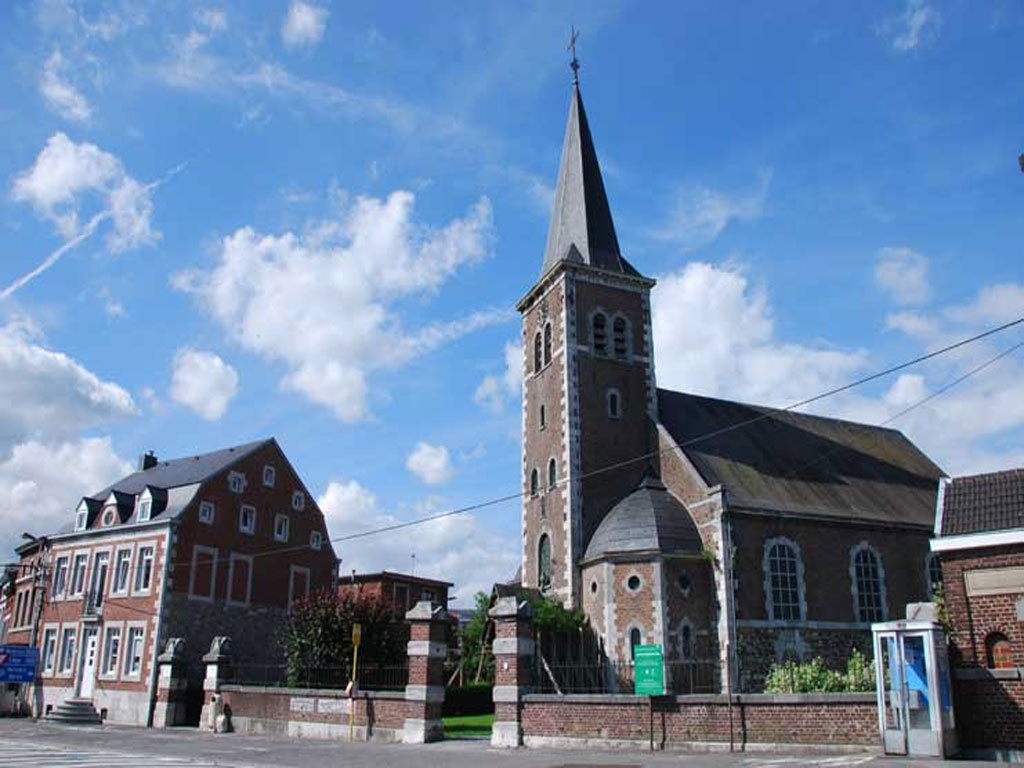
(372, 677)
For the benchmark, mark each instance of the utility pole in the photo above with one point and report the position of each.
(38, 596)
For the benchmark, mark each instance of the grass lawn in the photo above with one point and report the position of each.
(464, 726)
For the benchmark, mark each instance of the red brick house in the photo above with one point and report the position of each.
(402, 590)
(215, 544)
(980, 543)
(698, 523)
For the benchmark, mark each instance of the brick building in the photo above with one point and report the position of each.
(402, 590)
(698, 523)
(193, 548)
(980, 543)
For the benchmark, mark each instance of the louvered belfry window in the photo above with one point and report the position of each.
(619, 338)
(599, 328)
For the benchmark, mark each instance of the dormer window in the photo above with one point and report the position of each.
(206, 512)
(298, 501)
(108, 515)
(599, 334)
(81, 518)
(269, 476)
(236, 482)
(145, 509)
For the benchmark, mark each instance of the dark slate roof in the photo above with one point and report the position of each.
(803, 464)
(983, 503)
(178, 472)
(650, 519)
(581, 228)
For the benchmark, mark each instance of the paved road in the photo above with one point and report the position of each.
(42, 745)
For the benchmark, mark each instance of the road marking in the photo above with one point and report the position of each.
(841, 761)
(16, 753)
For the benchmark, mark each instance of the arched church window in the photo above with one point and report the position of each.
(599, 334)
(552, 473)
(686, 641)
(547, 343)
(635, 638)
(933, 571)
(534, 482)
(619, 338)
(544, 563)
(614, 404)
(782, 580)
(543, 416)
(998, 653)
(868, 584)
(538, 358)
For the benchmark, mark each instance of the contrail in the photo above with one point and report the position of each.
(86, 233)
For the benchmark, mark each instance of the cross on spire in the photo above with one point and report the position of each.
(574, 65)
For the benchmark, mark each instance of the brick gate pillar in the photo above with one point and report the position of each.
(218, 668)
(513, 651)
(424, 693)
(171, 685)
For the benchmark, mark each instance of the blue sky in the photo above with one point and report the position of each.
(312, 220)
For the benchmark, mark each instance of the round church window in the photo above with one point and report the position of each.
(633, 582)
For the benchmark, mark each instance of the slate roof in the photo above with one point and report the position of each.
(581, 227)
(983, 503)
(802, 464)
(650, 519)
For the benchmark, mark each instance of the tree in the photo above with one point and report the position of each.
(476, 660)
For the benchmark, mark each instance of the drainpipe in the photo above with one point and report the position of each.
(158, 627)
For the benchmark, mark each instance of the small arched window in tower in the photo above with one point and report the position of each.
(599, 334)
(998, 653)
(534, 482)
(635, 638)
(543, 416)
(686, 641)
(614, 404)
(547, 343)
(544, 563)
(538, 356)
(934, 574)
(619, 338)
(552, 473)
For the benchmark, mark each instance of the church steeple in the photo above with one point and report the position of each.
(581, 227)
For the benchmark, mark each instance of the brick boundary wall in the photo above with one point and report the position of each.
(760, 721)
(315, 713)
(989, 706)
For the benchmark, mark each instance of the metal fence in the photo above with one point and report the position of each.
(682, 677)
(372, 677)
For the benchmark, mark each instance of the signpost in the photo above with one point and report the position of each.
(357, 637)
(18, 663)
(649, 676)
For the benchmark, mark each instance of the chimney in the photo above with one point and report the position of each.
(147, 461)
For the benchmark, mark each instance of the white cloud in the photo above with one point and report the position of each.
(917, 24)
(213, 19)
(324, 301)
(59, 93)
(304, 25)
(430, 463)
(111, 305)
(700, 214)
(903, 274)
(41, 483)
(454, 548)
(65, 176)
(494, 391)
(203, 382)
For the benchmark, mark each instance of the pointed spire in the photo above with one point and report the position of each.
(581, 227)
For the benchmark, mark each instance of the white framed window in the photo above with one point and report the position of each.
(247, 519)
(298, 501)
(111, 651)
(784, 580)
(239, 579)
(81, 518)
(49, 650)
(281, 524)
(133, 650)
(60, 577)
(316, 540)
(206, 510)
(236, 481)
(269, 476)
(144, 569)
(67, 650)
(203, 576)
(614, 403)
(145, 509)
(122, 571)
(867, 583)
(78, 575)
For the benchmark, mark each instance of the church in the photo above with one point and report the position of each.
(719, 529)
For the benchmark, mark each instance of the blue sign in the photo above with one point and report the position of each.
(18, 663)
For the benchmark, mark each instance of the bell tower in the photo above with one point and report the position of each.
(589, 396)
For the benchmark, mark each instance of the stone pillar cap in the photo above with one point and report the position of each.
(511, 607)
(173, 651)
(220, 650)
(427, 610)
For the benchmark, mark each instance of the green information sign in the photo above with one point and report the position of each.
(650, 670)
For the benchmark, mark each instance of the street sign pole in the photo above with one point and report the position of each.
(357, 636)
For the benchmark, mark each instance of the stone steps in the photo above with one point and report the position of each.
(74, 712)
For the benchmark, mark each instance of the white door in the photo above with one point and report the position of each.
(88, 673)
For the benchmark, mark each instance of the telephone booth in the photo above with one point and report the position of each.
(915, 703)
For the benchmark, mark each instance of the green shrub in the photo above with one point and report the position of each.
(815, 677)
